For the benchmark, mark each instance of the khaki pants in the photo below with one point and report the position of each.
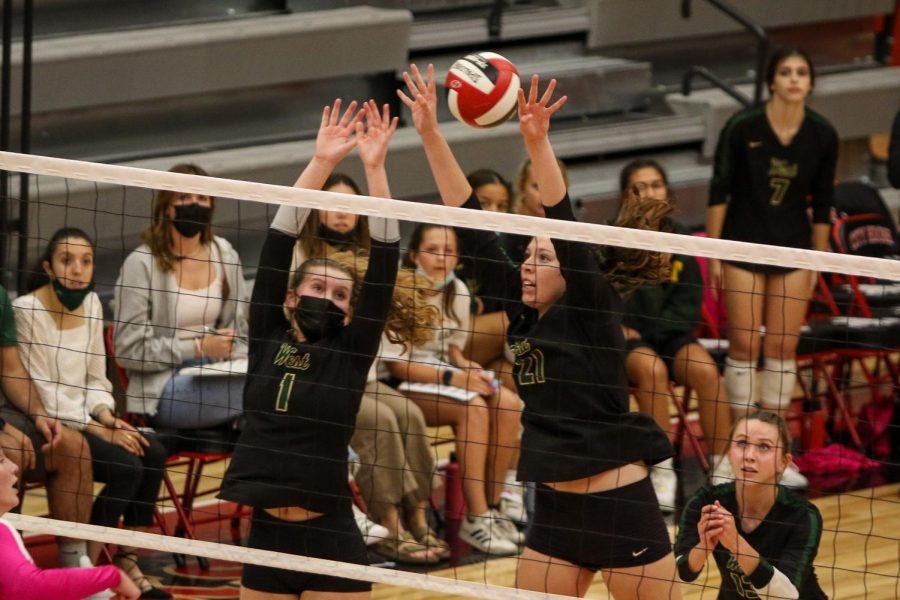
(396, 457)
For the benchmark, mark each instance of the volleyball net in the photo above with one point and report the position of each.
(848, 376)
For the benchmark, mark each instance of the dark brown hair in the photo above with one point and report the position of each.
(636, 165)
(159, 235)
(39, 277)
(780, 56)
(483, 177)
(312, 245)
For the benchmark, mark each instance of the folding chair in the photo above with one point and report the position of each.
(210, 446)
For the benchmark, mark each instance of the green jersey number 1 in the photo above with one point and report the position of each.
(284, 392)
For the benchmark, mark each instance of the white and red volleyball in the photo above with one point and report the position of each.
(481, 89)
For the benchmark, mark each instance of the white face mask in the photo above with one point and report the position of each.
(439, 284)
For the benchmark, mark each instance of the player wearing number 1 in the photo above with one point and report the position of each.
(770, 159)
(312, 341)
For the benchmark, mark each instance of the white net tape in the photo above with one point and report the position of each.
(240, 554)
(426, 213)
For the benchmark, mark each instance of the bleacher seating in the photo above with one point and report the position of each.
(239, 91)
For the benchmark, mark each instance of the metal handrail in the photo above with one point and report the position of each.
(762, 46)
(704, 73)
(495, 20)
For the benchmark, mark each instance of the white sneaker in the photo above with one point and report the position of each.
(513, 506)
(484, 533)
(371, 531)
(665, 484)
(508, 528)
(793, 478)
(721, 470)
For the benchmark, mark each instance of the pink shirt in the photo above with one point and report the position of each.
(20, 579)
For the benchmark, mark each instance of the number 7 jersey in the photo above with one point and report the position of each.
(768, 185)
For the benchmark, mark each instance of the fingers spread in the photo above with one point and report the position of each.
(548, 93)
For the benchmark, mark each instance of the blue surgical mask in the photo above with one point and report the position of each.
(439, 284)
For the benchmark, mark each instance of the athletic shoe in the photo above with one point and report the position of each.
(485, 534)
(508, 528)
(513, 506)
(665, 484)
(793, 478)
(721, 470)
(371, 531)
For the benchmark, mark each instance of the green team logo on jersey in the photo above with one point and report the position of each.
(529, 363)
(781, 173)
(287, 357)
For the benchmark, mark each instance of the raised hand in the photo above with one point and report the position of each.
(534, 113)
(373, 137)
(422, 99)
(335, 138)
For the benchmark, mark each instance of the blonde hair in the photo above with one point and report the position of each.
(410, 320)
(522, 176)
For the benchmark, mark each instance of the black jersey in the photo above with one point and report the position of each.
(300, 398)
(569, 367)
(769, 186)
(787, 540)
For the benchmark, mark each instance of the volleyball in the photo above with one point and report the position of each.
(481, 89)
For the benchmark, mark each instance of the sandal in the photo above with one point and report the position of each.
(428, 538)
(405, 549)
(128, 562)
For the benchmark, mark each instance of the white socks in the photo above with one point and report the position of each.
(70, 554)
(776, 384)
(779, 377)
(740, 383)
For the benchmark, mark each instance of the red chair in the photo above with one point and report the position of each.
(183, 501)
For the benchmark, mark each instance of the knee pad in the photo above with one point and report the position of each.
(779, 377)
(740, 382)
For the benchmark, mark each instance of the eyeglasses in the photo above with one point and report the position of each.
(744, 445)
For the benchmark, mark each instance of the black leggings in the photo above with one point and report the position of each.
(132, 482)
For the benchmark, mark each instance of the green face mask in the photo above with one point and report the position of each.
(71, 299)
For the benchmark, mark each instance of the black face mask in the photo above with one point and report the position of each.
(318, 318)
(191, 219)
(340, 241)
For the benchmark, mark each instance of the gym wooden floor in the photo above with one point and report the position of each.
(859, 556)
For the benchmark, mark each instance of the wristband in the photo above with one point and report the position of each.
(447, 376)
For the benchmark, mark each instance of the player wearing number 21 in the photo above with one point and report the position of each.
(770, 160)
(595, 508)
